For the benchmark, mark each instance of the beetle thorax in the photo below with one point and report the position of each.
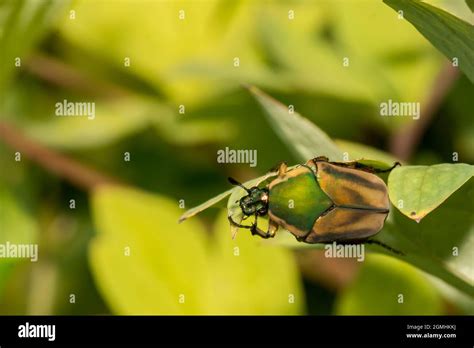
(256, 202)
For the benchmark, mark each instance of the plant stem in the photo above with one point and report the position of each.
(56, 163)
(404, 142)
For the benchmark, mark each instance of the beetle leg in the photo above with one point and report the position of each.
(396, 164)
(270, 233)
(365, 168)
(376, 170)
(321, 159)
(383, 245)
(257, 231)
(272, 227)
(236, 224)
(280, 168)
(312, 162)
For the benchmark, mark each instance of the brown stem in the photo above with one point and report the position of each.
(75, 172)
(404, 142)
(56, 72)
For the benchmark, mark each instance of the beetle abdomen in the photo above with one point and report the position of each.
(361, 204)
(342, 224)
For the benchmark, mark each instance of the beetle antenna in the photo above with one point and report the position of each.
(236, 183)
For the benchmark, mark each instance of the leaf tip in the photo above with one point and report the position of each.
(417, 216)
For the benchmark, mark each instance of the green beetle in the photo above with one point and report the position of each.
(320, 202)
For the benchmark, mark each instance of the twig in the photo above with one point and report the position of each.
(56, 72)
(71, 170)
(404, 142)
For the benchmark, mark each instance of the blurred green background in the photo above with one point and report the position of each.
(121, 251)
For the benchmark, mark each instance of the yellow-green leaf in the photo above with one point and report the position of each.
(405, 290)
(449, 34)
(247, 266)
(22, 25)
(440, 244)
(144, 262)
(470, 4)
(109, 122)
(16, 225)
(418, 190)
(357, 151)
(162, 37)
(207, 204)
(304, 138)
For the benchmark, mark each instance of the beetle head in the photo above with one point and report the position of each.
(255, 202)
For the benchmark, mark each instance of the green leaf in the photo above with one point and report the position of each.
(150, 30)
(165, 260)
(266, 273)
(114, 120)
(111, 122)
(365, 296)
(207, 204)
(304, 138)
(449, 34)
(193, 132)
(418, 190)
(440, 244)
(396, 64)
(22, 25)
(307, 53)
(175, 269)
(17, 226)
(6, 269)
(301, 47)
(470, 4)
(357, 151)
